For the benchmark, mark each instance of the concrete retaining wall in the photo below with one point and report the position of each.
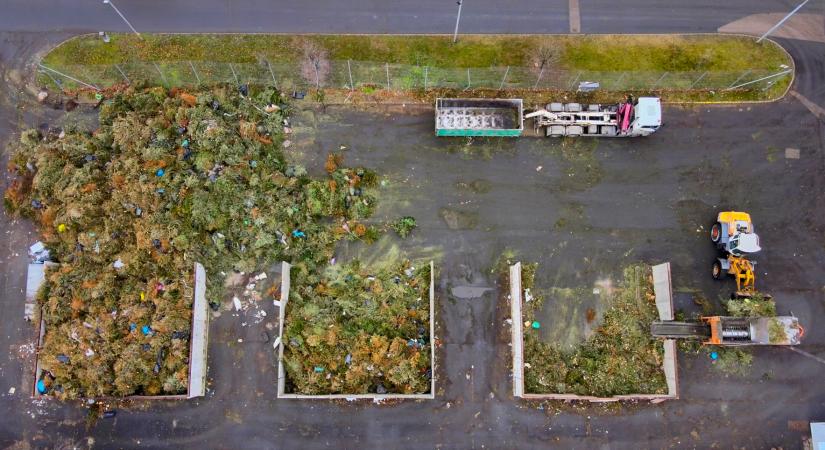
(285, 284)
(668, 365)
(199, 336)
(518, 337)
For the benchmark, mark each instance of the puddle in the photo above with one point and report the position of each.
(468, 292)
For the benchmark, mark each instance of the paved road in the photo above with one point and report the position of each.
(382, 16)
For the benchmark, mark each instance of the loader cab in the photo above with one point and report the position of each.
(743, 243)
(647, 116)
(734, 233)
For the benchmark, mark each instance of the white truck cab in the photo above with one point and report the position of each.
(647, 116)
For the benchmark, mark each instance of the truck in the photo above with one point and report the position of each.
(506, 117)
(626, 119)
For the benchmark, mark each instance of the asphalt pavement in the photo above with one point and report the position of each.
(651, 197)
(384, 16)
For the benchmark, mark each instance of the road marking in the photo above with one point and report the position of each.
(575, 17)
(815, 109)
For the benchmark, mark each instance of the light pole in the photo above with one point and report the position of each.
(782, 21)
(457, 18)
(109, 2)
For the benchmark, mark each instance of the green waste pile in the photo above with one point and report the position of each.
(169, 178)
(757, 305)
(620, 358)
(354, 330)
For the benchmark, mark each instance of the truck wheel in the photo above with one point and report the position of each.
(717, 270)
(716, 232)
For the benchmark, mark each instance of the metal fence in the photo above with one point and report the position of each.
(375, 75)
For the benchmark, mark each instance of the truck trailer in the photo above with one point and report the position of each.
(506, 117)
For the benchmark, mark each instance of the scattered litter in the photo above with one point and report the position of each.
(538, 169)
(36, 248)
(12, 390)
(237, 302)
(792, 153)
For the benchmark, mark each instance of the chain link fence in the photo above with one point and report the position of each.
(368, 75)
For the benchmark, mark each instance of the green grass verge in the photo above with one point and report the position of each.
(683, 68)
(596, 53)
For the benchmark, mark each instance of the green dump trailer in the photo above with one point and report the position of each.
(479, 117)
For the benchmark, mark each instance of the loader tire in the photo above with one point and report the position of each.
(716, 232)
(717, 270)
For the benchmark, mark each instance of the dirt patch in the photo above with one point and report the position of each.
(458, 219)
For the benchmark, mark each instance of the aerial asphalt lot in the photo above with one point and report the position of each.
(654, 194)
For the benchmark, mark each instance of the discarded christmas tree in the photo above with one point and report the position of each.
(619, 358)
(358, 330)
(169, 178)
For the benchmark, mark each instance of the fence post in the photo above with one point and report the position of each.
(317, 76)
(576, 80)
(122, 74)
(425, 77)
(69, 77)
(197, 77)
(469, 83)
(784, 72)
(162, 76)
(501, 86)
(54, 80)
(234, 75)
(744, 74)
(659, 80)
(619, 81)
(272, 74)
(387, 67)
(351, 84)
(541, 72)
(698, 79)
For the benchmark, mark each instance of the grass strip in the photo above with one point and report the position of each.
(635, 53)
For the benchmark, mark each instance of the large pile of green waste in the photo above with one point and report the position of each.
(168, 179)
(358, 330)
(620, 358)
